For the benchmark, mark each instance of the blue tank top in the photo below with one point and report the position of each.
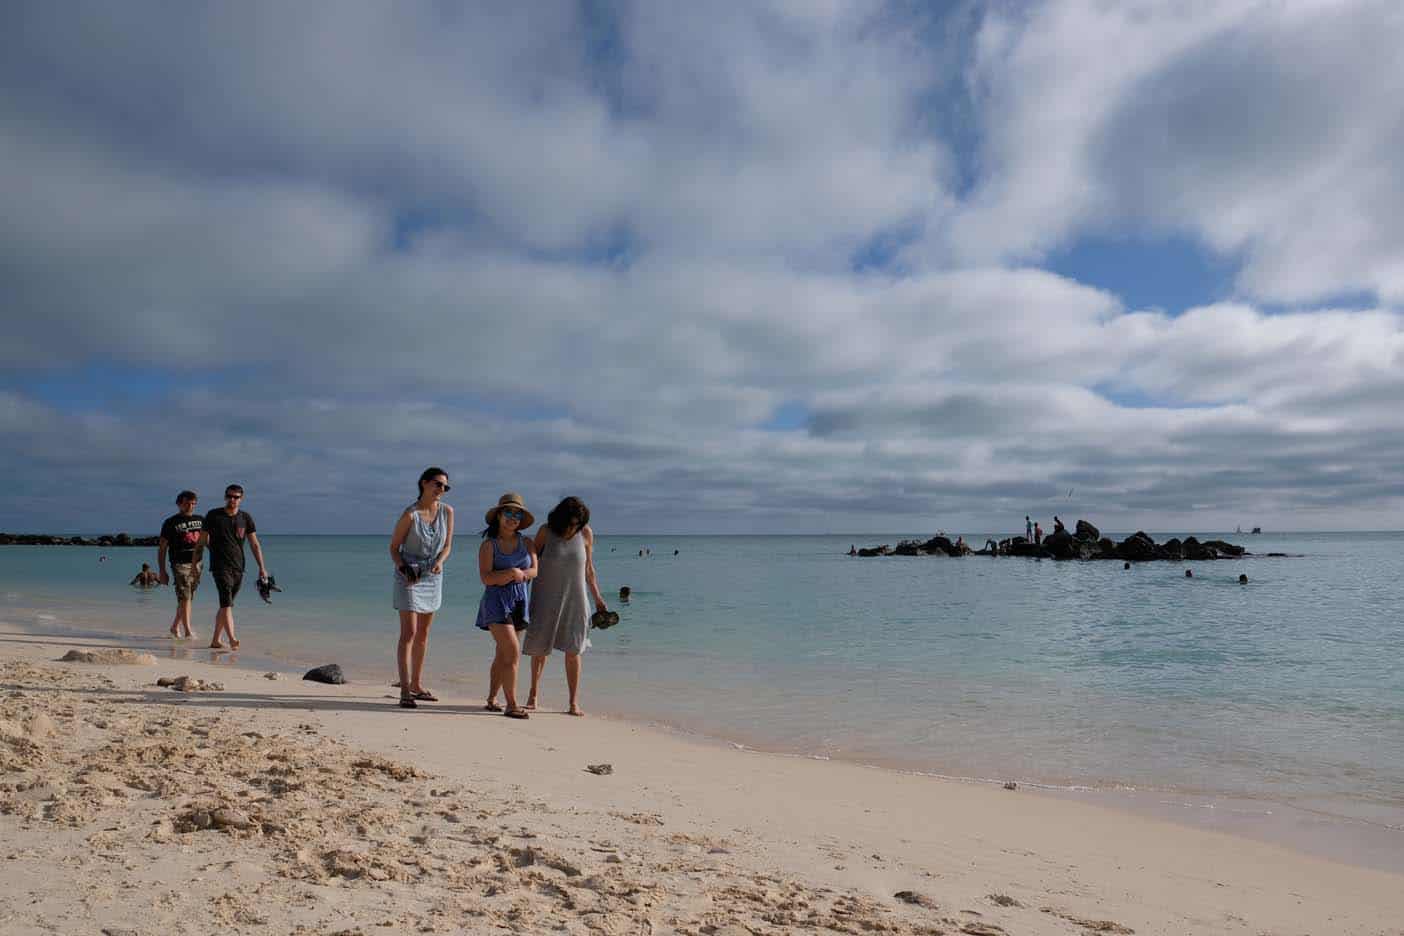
(499, 601)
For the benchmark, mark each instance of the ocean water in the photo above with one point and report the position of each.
(1287, 692)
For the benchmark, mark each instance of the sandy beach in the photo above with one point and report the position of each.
(281, 806)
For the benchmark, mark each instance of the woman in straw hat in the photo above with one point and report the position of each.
(506, 563)
(560, 618)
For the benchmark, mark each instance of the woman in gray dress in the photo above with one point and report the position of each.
(419, 547)
(560, 606)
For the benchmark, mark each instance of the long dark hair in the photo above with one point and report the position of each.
(429, 474)
(569, 512)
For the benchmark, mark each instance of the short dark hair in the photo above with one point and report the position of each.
(186, 495)
(570, 512)
(429, 474)
(233, 487)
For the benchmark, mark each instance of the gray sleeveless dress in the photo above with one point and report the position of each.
(560, 605)
(421, 547)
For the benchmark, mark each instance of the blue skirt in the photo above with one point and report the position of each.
(500, 601)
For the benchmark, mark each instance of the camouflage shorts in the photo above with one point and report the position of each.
(186, 579)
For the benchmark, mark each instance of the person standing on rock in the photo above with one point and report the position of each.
(226, 529)
(180, 540)
(419, 547)
(1028, 528)
(1038, 534)
(560, 598)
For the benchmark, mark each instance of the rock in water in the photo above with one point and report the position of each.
(331, 673)
(1086, 531)
(108, 657)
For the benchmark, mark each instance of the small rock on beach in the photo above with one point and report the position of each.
(189, 684)
(108, 657)
(331, 673)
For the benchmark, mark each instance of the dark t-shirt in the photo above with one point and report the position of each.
(227, 536)
(181, 534)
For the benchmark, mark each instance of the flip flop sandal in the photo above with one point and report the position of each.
(517, 713)
(425, 696)
(492, 707)
(408, 702)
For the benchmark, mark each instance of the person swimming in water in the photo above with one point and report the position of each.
(146, 578)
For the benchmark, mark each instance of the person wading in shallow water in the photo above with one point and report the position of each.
(226, 529)
(419, 547)
(180, 540)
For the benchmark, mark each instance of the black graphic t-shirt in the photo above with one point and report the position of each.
(181, 533)
(227, 535)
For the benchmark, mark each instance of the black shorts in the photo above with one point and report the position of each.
(227, 581)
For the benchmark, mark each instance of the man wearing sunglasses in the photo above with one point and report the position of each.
(226, 529)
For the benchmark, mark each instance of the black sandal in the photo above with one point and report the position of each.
(517, 713)
(408, 702)
(492, 707)
(425, 696)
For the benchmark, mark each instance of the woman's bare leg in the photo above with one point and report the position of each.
(402, 650)
(572, 668)
(418, 649)
(538, 666)
(509, 655)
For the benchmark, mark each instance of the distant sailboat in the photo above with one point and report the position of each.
(1238, 530)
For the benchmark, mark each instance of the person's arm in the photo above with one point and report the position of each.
(397, 537)
(491, 576)
(258, 554)
(590, 581)
(135, 579)
(531, 551)
(161, 547)
(448, 540)
(538, 542)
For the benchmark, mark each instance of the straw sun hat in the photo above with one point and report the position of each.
(510, 499)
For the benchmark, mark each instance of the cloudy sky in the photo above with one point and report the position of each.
(792, 266)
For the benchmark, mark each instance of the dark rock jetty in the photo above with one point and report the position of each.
(107, 539)
(1086, 542)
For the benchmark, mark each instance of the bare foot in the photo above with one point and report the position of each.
(576, 710)
(530, 704)
(233, 644)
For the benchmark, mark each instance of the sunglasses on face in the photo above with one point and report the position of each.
(511, 514)
(441, 486)
(233, 497)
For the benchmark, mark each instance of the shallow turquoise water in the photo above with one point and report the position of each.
(1078, 674)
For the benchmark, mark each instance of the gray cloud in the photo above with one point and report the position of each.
(613, 256)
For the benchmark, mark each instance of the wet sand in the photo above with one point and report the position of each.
(282, 806)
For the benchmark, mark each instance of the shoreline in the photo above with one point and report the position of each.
(705, 837)
(1332, 835)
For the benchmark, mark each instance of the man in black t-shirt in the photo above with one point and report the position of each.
(226, 529)
(180, 539)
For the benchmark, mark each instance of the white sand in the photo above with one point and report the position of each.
(290, 807)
